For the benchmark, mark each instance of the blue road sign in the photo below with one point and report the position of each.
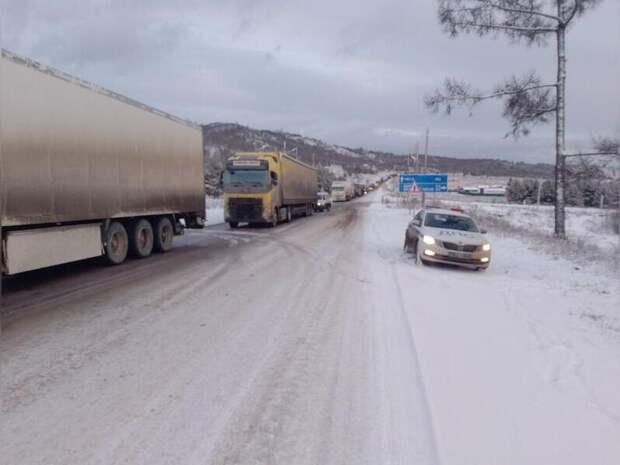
(423, 183)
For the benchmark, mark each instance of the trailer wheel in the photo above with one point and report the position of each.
(164, 232)
(116, 243)
(141, 238)
(233, 224)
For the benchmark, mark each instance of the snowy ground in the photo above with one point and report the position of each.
(317, 342)
(590, 231)
(214, 211)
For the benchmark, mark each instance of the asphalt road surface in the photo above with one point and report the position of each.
(293, 345)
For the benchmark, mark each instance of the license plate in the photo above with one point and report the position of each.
(458, 254)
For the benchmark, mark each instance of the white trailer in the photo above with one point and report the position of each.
(342, 191)
(87, 172)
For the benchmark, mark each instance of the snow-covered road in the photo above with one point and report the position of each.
(317, 342)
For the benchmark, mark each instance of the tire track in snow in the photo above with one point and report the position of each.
(391, 258)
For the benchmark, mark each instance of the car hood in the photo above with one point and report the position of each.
(459, 237)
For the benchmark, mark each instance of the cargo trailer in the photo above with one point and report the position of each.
(86, 172)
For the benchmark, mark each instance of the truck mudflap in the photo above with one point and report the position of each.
(196, 222)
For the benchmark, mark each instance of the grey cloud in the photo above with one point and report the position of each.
(349, 72)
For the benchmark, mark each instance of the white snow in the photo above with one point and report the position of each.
(214, 210)
(317, 342)
(589, 228)
(520, 362)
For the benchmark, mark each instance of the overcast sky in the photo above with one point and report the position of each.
(351, 72)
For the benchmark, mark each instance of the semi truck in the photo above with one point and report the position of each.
(267, 188)
(342, 191)
(86, 172)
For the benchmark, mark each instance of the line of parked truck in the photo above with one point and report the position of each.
(346, 189)
(86, 172)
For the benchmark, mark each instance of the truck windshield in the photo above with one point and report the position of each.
(337, 188)
(460, 223)
(246, 180)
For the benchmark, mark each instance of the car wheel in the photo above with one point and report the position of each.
(407, 245)
(418, 255)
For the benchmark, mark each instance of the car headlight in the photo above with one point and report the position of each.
(486, 247)
(430, 240)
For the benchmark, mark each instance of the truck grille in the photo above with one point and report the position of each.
(460, 248)
(245, 209)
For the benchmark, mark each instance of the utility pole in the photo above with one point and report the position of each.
(425, 166)
(426, 152)
(417, 156)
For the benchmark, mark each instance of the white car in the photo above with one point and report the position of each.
(323, 202)
(447, 236)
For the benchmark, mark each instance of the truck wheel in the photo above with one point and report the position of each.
(164, 233)
(116, 243)
(233, 224)
(141, 238)
(274, 218)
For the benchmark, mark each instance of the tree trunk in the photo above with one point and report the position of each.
(560, 124)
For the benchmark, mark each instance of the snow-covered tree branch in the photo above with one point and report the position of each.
(527, 100)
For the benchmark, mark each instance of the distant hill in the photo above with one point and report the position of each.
(223, 139)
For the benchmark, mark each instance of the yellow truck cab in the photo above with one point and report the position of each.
(267, 187)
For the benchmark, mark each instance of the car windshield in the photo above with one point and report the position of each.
(245, 179)
(443, 221)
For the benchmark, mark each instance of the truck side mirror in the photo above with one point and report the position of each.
(221, 180)
(417, 222)
(274, 178)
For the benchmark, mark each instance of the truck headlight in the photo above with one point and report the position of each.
(430, 240)
(486, 247)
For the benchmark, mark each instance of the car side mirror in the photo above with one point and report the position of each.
(274, 178)
(483, 231)
(417, 222)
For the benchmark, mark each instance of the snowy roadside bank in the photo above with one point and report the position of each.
(519, 362)
(214, 210)
(591, 235)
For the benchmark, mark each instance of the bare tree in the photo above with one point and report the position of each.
(527, 99)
